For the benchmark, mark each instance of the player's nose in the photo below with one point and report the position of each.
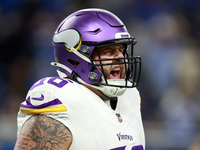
(119, 54)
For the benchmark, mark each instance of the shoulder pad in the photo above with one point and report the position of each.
(42, 97)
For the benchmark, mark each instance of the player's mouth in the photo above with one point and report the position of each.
(115, 73)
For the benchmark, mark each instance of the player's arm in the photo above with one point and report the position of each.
(42, 132)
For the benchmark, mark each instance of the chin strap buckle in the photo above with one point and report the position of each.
(93, 76)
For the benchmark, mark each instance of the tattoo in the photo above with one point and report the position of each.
(42, 132)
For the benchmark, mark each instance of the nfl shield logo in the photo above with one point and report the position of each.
(119, 117)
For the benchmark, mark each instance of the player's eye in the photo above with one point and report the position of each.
(121, 50)
(107, 52)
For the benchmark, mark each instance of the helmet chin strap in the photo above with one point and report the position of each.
(109, 91)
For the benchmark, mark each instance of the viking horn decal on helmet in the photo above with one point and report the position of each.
(70, 38)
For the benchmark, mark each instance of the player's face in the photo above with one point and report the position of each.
(116, 71)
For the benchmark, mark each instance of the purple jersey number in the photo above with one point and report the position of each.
(56, 81)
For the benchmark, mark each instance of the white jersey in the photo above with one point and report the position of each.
(92, 122)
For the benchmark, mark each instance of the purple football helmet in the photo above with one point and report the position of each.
(85, 30)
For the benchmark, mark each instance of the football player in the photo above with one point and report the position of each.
(94, 103)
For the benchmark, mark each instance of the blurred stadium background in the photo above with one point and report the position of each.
(168, 35)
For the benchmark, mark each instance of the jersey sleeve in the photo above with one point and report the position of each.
(43, 97)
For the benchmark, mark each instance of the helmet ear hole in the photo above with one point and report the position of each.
(73, 62)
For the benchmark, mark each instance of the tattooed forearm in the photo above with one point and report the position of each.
(42, 132)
